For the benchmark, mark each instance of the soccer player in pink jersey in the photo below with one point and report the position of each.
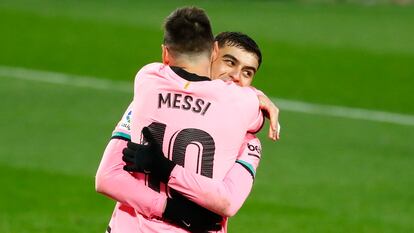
(245, 166)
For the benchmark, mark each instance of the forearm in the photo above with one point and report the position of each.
(223, 197)
(270, 111)
(114, 182)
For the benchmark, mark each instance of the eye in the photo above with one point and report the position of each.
(229, 62)
(248, 74)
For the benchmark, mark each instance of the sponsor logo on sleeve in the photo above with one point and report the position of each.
(126, 121)
(254, 148)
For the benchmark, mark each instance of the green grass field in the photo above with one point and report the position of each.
(327, 174)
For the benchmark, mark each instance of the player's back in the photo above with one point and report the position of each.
(200, 123)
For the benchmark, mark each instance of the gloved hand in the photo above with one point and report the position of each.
(190, 216)
(147, 158)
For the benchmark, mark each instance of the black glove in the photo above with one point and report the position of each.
(190, 216)
(147, 158)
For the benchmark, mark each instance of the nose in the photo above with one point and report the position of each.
(235, 75)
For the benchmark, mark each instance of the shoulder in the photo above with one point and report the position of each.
(151, 74)
(150, 68)
(235, 91)
(247, 100)
(153, 66)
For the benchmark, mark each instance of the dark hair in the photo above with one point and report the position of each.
(187, 30)
(239, 40)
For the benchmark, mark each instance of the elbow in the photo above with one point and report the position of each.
(228, 208)
(100, 183)
(229, 211)
(224, 204)
(105, 183)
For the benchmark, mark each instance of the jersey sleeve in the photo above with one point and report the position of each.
(224, 197)
(250, 154)
(144, 86)
(123, 128)
(114, 182)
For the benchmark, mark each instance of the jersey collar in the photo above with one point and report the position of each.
(188, 76)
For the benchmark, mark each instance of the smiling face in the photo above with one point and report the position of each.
(235, 63)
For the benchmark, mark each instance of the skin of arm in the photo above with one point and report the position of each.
(271, 111)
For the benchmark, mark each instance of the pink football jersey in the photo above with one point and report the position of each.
(200, 123)
(136, 202)
(139, 208)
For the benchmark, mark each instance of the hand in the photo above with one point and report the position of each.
(147, 158)
(272, 113)
(190, 216)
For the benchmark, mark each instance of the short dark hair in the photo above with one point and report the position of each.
(239, 40)
(187, 30)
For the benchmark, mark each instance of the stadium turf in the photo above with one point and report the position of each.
(327, 174)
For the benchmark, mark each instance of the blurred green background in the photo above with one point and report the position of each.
(327, 174)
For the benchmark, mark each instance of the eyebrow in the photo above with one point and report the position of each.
(234, 58)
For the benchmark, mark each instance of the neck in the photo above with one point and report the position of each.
(200, 66)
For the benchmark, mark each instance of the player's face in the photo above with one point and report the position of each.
(235, 63)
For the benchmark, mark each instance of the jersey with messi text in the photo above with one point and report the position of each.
(233, 190)
(200, 123)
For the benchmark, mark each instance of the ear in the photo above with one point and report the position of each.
(165, 55)
(214, 53)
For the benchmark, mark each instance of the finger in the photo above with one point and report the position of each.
(272, 133)
(273, 125)
(127, 159)
(128, 152)
(278, 131)
(148, 135)
(128, 168)
(273, 121)
(132, 145)
(131, 168)
(274, 116)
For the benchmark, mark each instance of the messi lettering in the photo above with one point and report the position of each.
(184, 102)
